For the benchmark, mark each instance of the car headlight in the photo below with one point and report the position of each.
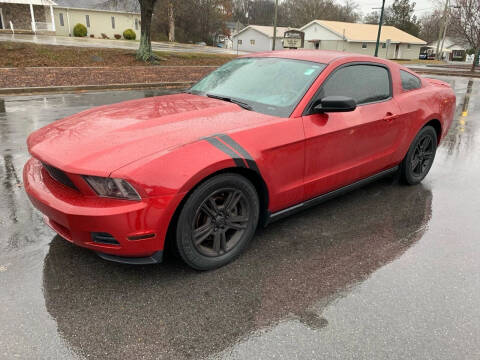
(112, 188)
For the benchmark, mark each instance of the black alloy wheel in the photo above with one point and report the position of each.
(422, 155)
(419, 159)
(220, 222)
(217, 221)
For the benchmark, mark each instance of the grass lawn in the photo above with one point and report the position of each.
(14, 54)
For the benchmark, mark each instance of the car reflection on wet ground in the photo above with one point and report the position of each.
(387, 271)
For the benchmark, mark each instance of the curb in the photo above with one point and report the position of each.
(50, 89)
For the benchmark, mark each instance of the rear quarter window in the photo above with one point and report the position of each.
(409, 81)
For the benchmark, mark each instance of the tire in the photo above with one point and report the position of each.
(217, 222)
(419, 159)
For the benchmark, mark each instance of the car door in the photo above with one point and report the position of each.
(344, 147)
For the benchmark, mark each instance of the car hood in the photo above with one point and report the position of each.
(100, 140)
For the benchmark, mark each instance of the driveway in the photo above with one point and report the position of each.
(387, 271)
(113, 44)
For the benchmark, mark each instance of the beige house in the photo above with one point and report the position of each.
(361, 39)
(98, 22)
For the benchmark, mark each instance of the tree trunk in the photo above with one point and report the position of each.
(171, 22)
(144, 51)
(475, 59)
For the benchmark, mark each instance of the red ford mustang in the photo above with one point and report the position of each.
(259, 138)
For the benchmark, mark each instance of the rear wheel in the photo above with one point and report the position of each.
(419, 159)
(217, 221)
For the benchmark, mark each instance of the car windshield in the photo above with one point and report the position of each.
(271, 86)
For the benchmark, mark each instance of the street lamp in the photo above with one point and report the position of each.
(275, 25)
(379, 28)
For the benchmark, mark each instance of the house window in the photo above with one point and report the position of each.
(364, 45)
(239, 42)
(87, 20)
(409, 46)
(384, 45)
(113, 22)
(136, 24)
(60, 16)
(252, 42)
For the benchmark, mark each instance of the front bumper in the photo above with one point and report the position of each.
(75, 216)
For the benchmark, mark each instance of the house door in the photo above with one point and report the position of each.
(397, 51)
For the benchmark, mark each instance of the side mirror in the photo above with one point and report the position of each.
(334, 104)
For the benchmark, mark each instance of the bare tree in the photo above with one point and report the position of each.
(466, 24)
(171, 21)
(144, 51)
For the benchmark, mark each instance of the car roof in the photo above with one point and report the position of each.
(320, 56)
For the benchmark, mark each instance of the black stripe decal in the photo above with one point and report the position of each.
(238, 148)
(222, 147)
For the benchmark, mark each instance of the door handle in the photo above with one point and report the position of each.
(389, 117)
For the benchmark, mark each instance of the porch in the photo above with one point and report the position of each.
(27, 16)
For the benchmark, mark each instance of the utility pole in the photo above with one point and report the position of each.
(379, 28)
(275, 25)
(441, 31)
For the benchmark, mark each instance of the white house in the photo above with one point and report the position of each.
(361, 38)
(257, 38)
(453, 49)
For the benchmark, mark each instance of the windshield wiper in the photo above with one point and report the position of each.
(224, 98)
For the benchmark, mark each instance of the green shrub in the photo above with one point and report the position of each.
(129, 34)
(80, 30)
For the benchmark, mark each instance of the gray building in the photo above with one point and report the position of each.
(255, 38)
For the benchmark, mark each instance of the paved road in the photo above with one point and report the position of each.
(387, 271)
(113, 44)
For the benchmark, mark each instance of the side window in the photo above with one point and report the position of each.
(363, 83)
(409, 81)
(60, 16)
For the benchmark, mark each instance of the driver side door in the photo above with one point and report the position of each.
(344, 147)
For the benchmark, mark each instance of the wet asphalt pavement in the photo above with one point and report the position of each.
(387, 271)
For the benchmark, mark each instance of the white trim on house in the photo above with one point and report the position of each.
(28, 2)
(2, 20)
(96, 10)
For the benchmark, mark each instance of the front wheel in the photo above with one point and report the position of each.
(217, 221)
(419, 159)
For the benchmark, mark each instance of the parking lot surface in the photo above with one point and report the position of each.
(387, 271)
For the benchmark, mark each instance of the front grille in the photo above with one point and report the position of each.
(59, 176)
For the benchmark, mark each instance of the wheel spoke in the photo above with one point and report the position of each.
(232, 200)
(425, 143)
(237, 222)
(223, 241)
(207, 210)
(217, 241)
(415, 163)
(427, 155)
(201, 233)
(213, 204)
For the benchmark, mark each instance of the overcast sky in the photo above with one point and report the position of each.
(421, 7)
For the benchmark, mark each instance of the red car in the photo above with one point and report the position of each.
(261, 137)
